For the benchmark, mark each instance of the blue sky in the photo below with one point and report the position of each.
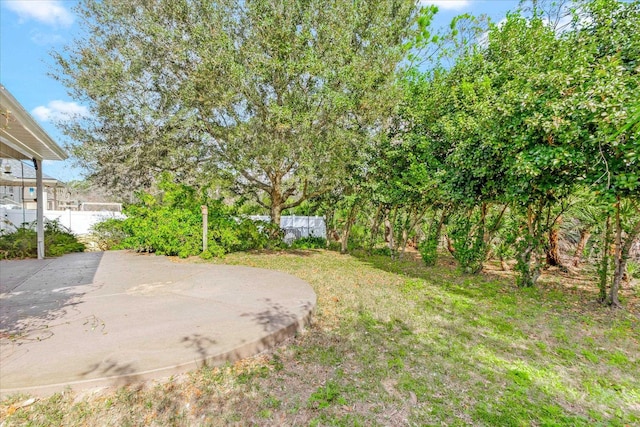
(31, 29)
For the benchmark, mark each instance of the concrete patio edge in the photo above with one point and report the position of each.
(102, 320)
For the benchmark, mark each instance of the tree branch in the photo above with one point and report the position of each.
(261, 185)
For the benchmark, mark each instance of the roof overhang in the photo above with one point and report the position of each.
(28, 182)
(20, 136)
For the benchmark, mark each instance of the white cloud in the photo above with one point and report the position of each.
(45, 39)
(447, 4)
(561, 25)
(50, 12)
(60, 111)
(483, 39)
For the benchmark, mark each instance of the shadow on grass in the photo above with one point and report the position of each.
(457, 372)
(286, 251)
(446, 277)
(493, 285)
(410, 264)
(524, 345)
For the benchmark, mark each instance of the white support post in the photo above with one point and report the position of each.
(39, 208)
(205, 226)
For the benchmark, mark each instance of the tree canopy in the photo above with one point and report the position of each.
(273, 95)
(485, 140)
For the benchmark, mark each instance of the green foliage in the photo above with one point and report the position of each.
(305, 108)
(108, 234)
(22, 243)
(271, 96)
(429, 250)
(506, 236)
(428, 247)
(171, 224)
(525, 119)
(327, 395)
(633, 269)
(468, 242)
(309, 243)
(275, 233)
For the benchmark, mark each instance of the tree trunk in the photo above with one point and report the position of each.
(403, 242)
(328, 217)
(528, 275)
(618, 272)
(441, 221)
(503, 264)
(495, 226)
(450, 247)
(529, 263)
(403, 235)
(552, 252)
(391, 241)
(275, 212)
(413, 219)
(603, 270)
(344, 240)
(585, 233)
(621, 256)
(388, 223)
(429, 247)
(618, 261)
(346, 231)
(482, 229)
(375, 227)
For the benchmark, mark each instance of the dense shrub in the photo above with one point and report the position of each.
(22, 243)
(171, 224)
(310, 242)
(108, 234)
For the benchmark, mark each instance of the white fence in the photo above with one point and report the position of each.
(296, 227)
(79, 222)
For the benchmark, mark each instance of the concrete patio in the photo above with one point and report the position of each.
(105, 319)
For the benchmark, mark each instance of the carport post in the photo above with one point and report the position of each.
(39, 208)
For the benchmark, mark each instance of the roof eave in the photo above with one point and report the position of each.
(48, 150)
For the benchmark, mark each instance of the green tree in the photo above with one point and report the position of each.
(273, 95)
(606, 107)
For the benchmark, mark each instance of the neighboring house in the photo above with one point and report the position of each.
(74, 208)
(18, 186)
(18, 190)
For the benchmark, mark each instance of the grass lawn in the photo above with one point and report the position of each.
(397, 343)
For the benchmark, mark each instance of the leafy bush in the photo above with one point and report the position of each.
(429, 250)
(108, 234)
(633, 269)
(468, 242)
(22, 243)
(380, 251)
(171, 224)
(59, 240)
(310, 242)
